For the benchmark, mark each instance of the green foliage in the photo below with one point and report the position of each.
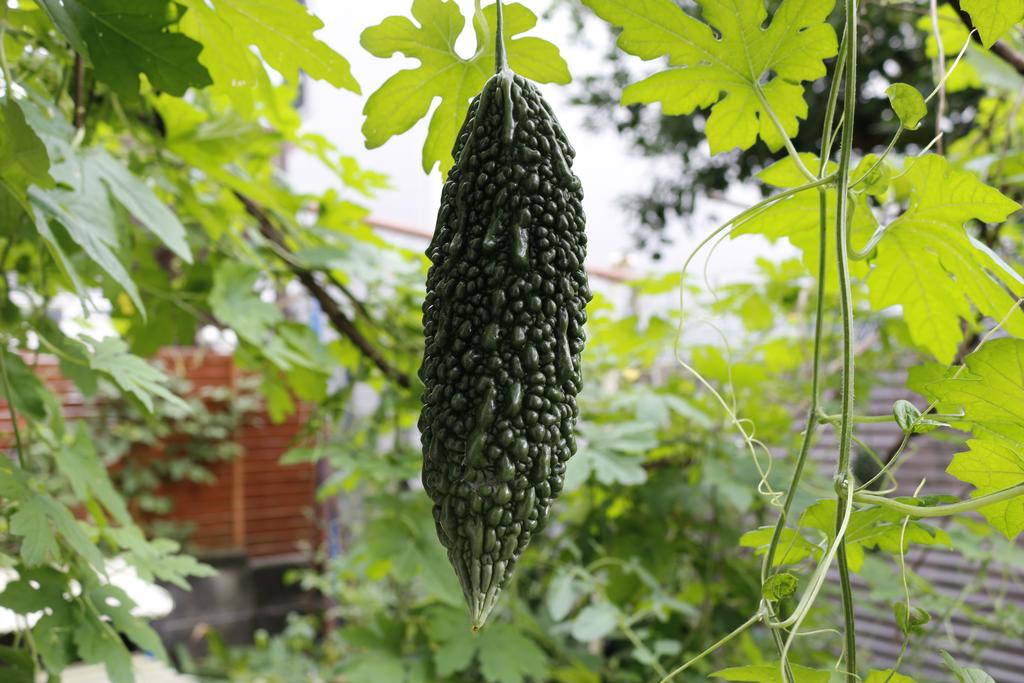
(875, 528)
(110, 357)
(779, 586)
(135, 180)
(87, 180)
(928, 264)
(236, 303)
(31, 397)
(965, 675)
(988, 396)
(931, 259)
(123, 38)
(908, 104)
(990, 467)
(283, 34)
(597, 583)
(771, 673)
(796, 218)
(760, 72)
(404, 98)
(673, 194)
(925, 261)
(23, 158)
(888, 676)
(127, 129)
(910, 620)
(953, 35)
(994, 18)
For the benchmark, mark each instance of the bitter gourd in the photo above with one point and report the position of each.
(503, 319)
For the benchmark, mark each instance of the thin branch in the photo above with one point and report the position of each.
(80, 104)
(356, 302)
(339, 320)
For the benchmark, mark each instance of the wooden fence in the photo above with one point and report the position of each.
(256, 506)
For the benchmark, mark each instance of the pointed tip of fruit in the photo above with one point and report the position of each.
(480, 611)
(480, 608)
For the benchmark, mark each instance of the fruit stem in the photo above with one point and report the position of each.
(500, 58)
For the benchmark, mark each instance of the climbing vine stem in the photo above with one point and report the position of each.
(819, 314)
(843, 478)
(925, 511)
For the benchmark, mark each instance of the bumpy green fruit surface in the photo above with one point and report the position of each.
(503, 319)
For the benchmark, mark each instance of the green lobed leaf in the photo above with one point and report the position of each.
(797, 219)
(563, 592)
(19, 666)
(612, 454)
(135, 376)
(123, 38)
(89, 222)
(406, 97)
(81, 203)
(276, 397)
(990, 393)
(505, 655)
(927, 264)
(133, 194)
(88, 476)
(454, 655)
(992, 465)
(33, 523)
(35, 590)
(36, 519)
(993, 18)
(872, 528)
(54, 639)
(792, 548)
(908, 103)
(114, 603)
(235, 303)
(732, 64)
(374, 666)
(158, 558)
(284, 34)
(14, 482)
(456, 645)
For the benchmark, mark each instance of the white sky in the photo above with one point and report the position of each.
(605, 164)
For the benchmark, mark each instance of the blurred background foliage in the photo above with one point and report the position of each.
(640, 568)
